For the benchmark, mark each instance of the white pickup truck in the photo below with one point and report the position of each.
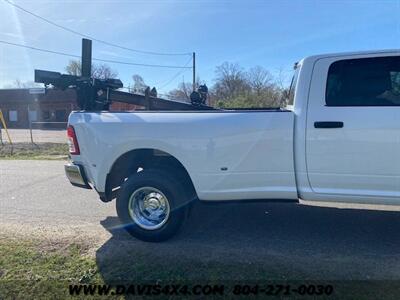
(338, 140)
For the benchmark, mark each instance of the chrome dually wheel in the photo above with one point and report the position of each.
(149, 208)
(152, 205)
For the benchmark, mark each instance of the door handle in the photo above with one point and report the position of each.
(328, 124)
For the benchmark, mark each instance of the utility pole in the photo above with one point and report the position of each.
(194, 71)
(86, 60)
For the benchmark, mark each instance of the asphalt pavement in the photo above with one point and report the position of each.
(291, 239)
(37, 192)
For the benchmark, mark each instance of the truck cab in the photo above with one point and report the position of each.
(347, 112)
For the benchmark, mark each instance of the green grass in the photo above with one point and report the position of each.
(51, 151)
(28, 271)
(37, 270)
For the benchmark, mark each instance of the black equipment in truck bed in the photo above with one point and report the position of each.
(98, 94)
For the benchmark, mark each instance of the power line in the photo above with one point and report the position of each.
(96, 59)
(39, 49)
(177, 74)
(142, 65)
(90, 37)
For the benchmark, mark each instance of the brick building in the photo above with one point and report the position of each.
(20, 106)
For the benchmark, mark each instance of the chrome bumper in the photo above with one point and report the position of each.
(76, 175)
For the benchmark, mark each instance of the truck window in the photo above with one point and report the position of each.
(364, 82)
(293, 86)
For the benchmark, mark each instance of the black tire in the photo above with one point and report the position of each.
(176, 197)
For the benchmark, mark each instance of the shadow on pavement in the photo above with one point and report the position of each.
(261, 241)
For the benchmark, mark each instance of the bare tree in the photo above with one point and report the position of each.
(282, 79)
(74, 68)
(283, 84)
(231, 81)
(237, 88)
(102, 71)
(259, 79)
(182, 92)
(255, 88)
(139, 86)
(184, 89)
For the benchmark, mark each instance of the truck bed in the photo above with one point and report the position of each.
(228, 154)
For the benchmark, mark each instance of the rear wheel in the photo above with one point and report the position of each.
(152, 205)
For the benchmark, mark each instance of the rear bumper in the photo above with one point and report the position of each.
(76, 175)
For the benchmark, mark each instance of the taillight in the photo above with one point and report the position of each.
(72, 141)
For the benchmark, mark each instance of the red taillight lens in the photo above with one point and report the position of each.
(72, 141)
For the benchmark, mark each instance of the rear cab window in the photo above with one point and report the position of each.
(293, 85)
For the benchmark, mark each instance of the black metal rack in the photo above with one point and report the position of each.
(98, 94)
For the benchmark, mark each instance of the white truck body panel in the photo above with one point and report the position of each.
(204, 142)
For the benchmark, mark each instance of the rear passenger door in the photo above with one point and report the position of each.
(353, 129)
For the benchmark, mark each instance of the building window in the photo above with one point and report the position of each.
(13, 116)
(61, 115)
(32, 115)
(46, 115)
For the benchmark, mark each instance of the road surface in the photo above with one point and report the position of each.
(292, 240)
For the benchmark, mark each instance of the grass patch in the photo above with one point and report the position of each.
(33, 270)
(49, 151)
(29, 272)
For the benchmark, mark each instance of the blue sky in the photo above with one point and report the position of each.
(273, 34)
